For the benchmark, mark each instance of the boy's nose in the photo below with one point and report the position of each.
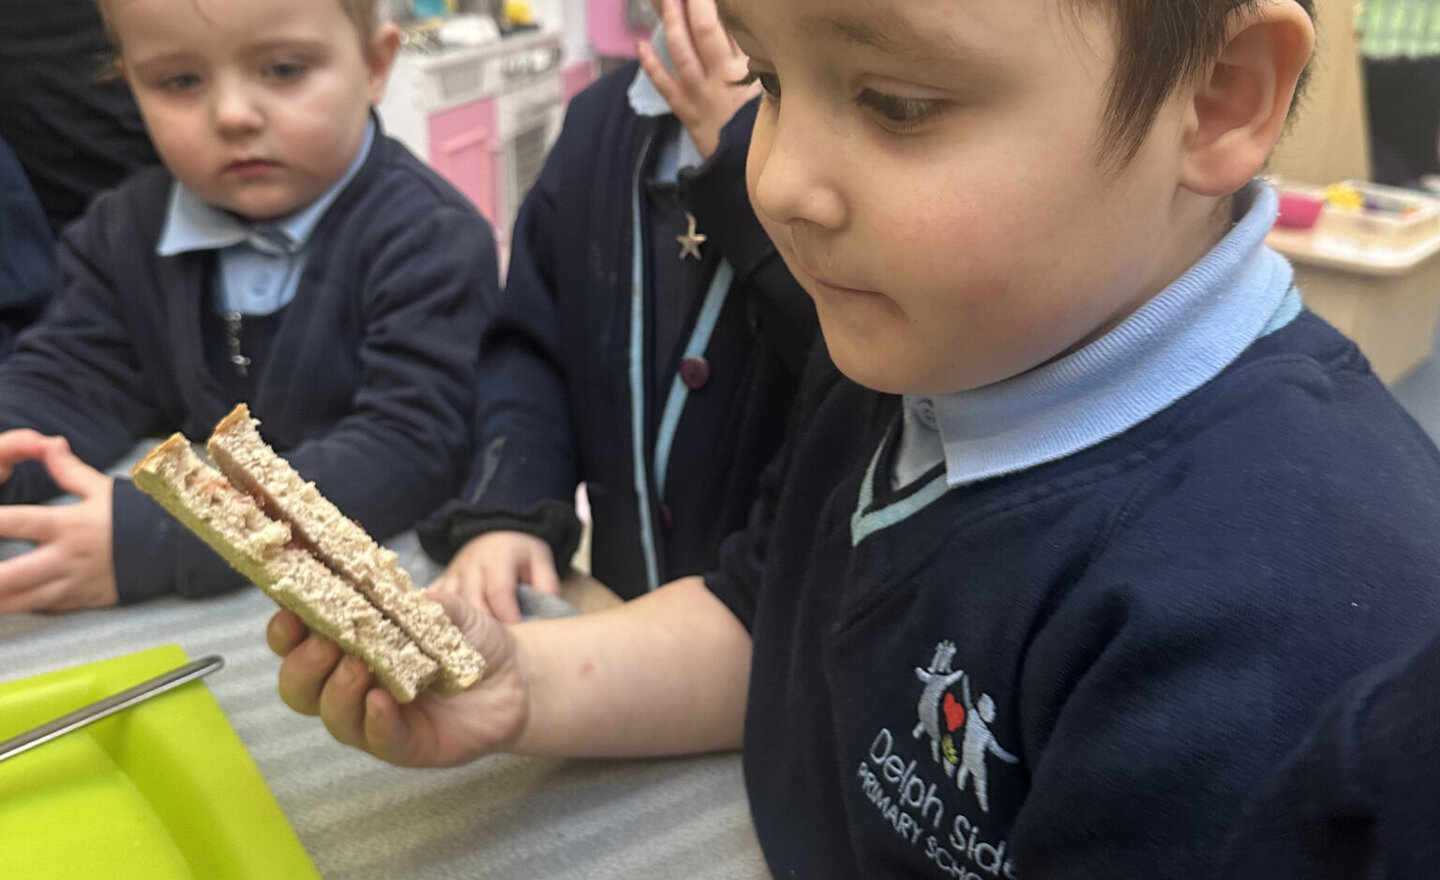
(236, 111)
(791, 174)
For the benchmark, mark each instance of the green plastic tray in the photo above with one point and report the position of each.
(164, 789)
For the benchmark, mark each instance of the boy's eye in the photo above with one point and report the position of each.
(182, 82)
(768, 81)
(897, 113)
(285, 70)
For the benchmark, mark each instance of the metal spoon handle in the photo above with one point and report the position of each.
(110, 705)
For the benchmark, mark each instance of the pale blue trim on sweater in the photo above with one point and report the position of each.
(637, 377)
(679, 391)
(1239, 292)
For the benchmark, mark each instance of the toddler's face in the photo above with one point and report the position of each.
(930, 171)
(257, 105)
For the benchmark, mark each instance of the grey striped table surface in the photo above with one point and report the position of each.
(361, 819)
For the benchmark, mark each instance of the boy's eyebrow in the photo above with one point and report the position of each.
(883, 31)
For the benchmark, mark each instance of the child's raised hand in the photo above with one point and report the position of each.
(71, 566)
(490, 568)
(703, 96)
(316, 678)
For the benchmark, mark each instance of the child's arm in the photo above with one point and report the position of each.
(525, 470)
(664, 674)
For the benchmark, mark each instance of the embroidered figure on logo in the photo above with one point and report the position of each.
(979, 740)
(959, 729)
(933, 707)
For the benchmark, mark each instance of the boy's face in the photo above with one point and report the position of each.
(258, 106)
(931, 173)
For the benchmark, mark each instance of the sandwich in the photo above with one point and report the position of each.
(280, 532)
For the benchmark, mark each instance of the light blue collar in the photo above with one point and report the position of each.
(646, 100)
(1170, 346)
(194, 225)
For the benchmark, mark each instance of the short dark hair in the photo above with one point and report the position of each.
(1161, 43)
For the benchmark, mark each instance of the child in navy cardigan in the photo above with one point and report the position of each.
(667, 405)
(289, 255)
(1082, 515)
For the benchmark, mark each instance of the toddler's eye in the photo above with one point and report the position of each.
(285, 70)
(900, 114)
(182, 82)
(768, 81)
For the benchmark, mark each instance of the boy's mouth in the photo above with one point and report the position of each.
(831, 285)
(251, 167)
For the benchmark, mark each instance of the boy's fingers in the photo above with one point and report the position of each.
(72, 474)
(285, 631)
(27, 522)
(682, 51)
(304, 672)
(342, 702)
(501, 599)
(544, 578)
(29, 570)
(709, 37)
(659, 74)
(387, 736)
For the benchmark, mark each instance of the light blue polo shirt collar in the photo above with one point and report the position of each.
(1176, 342)
(192, 224)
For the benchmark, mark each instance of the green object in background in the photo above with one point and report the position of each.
(164, 789)
(1399, 28)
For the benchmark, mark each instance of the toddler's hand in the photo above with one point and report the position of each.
(316, 678)
(489, 568)
(23, 444)
(708, 63)
(72, 564)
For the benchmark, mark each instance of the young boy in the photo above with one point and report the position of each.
(1082, 514)
(288, 255)
(666, 406)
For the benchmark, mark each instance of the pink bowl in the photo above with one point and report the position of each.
(1297, 211)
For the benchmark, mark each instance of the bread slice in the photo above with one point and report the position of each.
(339, 542)
(264, 550)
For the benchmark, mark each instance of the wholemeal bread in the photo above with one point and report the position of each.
(279, 531)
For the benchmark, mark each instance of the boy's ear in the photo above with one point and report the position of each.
(1240, 105)
(381, 57)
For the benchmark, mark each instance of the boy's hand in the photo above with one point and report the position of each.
(23, 444)
(707, 61)
(489, 568)
(317, 679)
(72, 564)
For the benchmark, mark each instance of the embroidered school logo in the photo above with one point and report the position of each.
(958, 727)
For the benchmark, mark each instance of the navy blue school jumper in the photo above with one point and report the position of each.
(27, 252)
(1360, 799)
(563, 367)
(1085, 667)
(368, 387)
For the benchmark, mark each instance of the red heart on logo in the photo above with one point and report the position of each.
(954, 712)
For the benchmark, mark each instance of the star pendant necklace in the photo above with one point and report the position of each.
(692, 239)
